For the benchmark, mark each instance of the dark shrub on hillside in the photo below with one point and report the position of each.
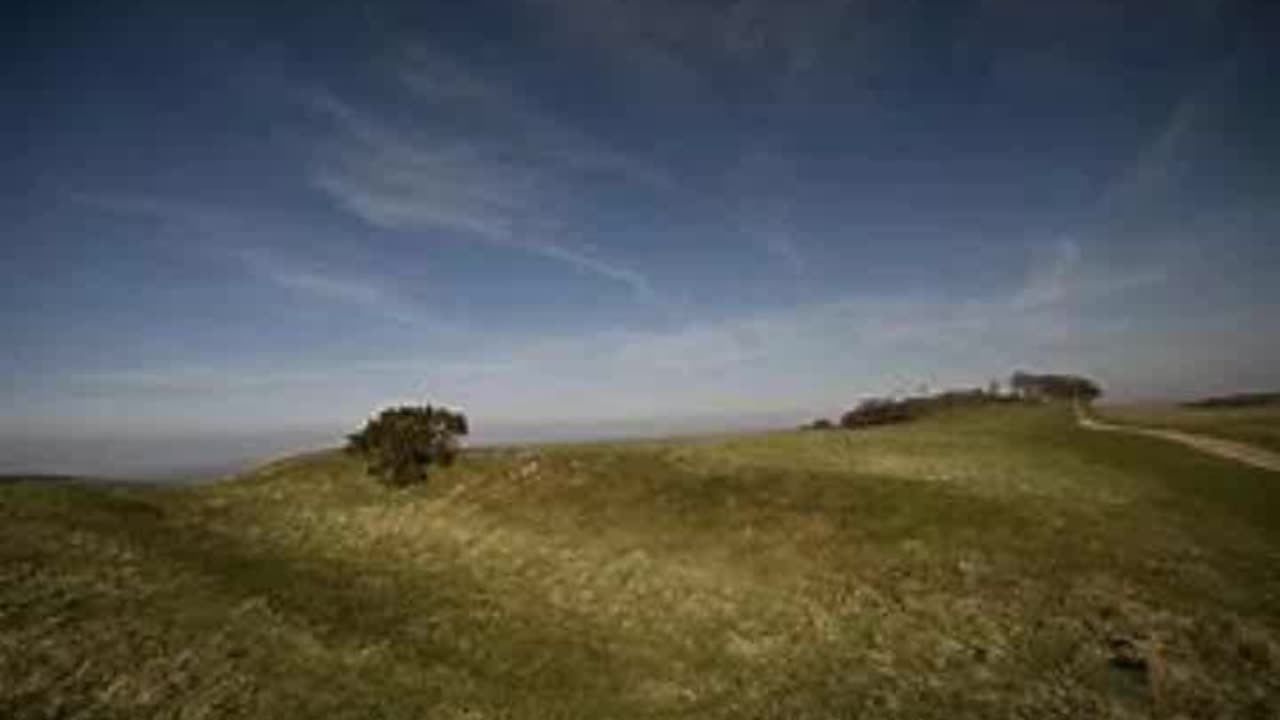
(1030, 386)
(877, 411)
(971, 397)
(884, 411)
(400, 443)
(820, 424)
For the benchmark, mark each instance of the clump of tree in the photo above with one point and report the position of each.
(885, 411)
(820, 424)
(1030, 386)
(965, 397)
(877, 411)
(401, 443)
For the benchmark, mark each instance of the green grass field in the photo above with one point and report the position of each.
(982, 563)
(1258, 425)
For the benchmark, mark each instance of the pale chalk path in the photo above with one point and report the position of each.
(1240, 452)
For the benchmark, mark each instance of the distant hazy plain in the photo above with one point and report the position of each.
(195, 456)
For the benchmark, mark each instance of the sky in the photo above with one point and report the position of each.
(241, 220)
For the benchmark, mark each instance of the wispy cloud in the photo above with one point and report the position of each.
(176, 212)
(194, 380)
(1159, 164)
(761, 190)
(370, 294)
(1061, 277)
(768, 222)
(479, 163)
(816, 355)
(437, 82)
(809, 357)
(682, 41)
(229, 234)
(782, 244)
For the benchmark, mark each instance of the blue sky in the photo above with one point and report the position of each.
(277, 216)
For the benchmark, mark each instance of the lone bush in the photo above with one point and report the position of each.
(402, 442)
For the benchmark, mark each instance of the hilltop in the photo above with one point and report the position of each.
(978, 562)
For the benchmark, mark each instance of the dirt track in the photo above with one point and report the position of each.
(1240, 452)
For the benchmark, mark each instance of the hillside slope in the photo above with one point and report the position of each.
(999, 562)
(1257, 425)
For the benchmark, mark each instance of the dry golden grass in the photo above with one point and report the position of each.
(985, 563)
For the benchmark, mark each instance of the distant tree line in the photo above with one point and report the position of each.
(400, 444)
(1024, 387)
(877, 411)
(1237, 400)
(1030, 386)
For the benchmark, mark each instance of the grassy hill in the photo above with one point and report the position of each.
(1256, 423)
(995, 562)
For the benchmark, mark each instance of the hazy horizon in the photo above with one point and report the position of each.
(554, 214)
(210, 453)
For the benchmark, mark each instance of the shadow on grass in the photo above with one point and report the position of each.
(330, 635)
